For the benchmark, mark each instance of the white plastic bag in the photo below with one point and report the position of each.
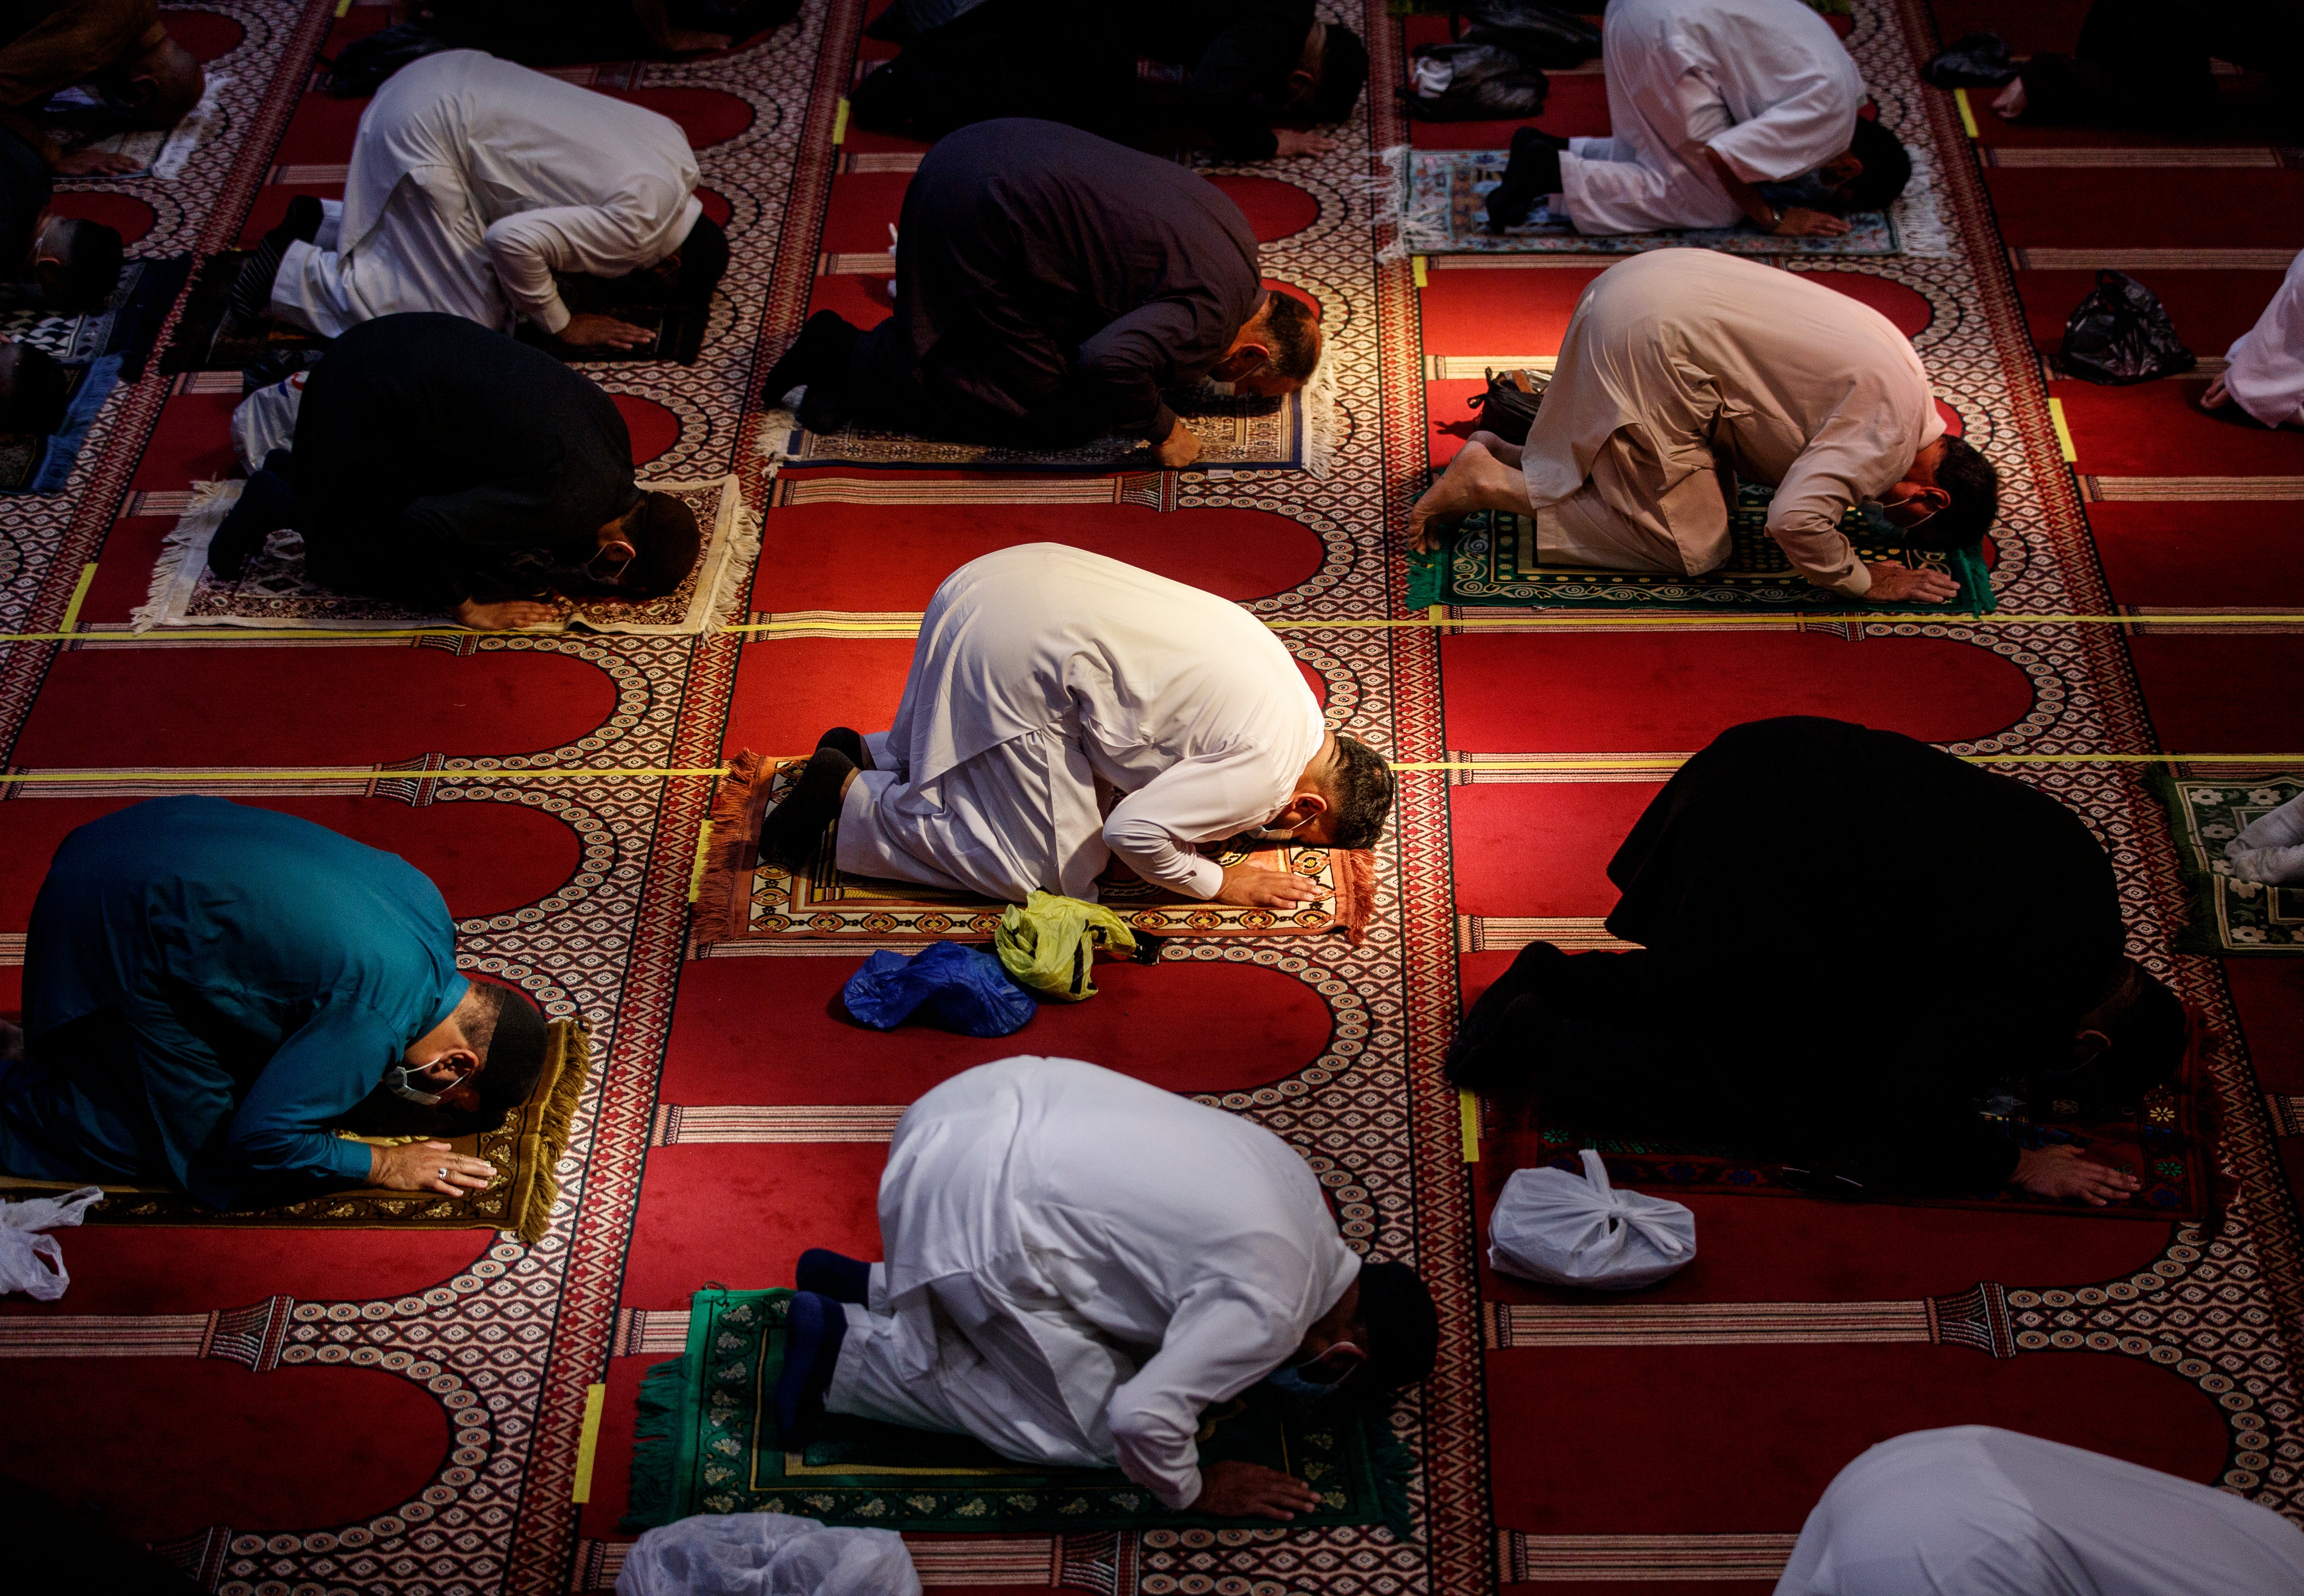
(1552, 1227)
(265, 420)
(30, 1262)
(765, 1554)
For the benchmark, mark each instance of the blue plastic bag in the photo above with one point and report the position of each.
(960, 988)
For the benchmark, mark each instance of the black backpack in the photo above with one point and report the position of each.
(2119, 335)
(1541, 36)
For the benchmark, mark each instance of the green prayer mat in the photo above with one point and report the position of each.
(2230, 916)
(708, 1443)
(1491, 560)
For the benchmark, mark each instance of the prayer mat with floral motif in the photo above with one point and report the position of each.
(741, 897)
(2230, 915)
(708, 1443)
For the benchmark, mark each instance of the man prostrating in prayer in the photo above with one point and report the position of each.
(1682, 367)
(210, 991)
(461, 472)
(1050, 284)
(1044, 673)
(1077, 1265)
(1852, 947)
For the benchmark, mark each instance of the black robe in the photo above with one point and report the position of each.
(437, 460)
(1050, 284)
(1849, 937)
(25, 190)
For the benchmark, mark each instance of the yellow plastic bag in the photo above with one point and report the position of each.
(1048, 943)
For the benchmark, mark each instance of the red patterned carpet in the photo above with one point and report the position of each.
(404, 1412)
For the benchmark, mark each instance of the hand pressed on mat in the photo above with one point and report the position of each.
(1234, 1489)
(1799, 222)
(94, 163)
(427, 1167)
(1179, 449)
(587, 331)
(2066, 1172)
(1892, 582)
(507, 616)
(1251, 886)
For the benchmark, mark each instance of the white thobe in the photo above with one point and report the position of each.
(1078, 1263)
(472, 180)
(1767, 83)
(1679, 361)
(2266, 374)
(1042, 669)
(1975, 1511)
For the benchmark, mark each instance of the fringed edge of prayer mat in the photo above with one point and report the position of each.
(532, 1140)
(723, 892)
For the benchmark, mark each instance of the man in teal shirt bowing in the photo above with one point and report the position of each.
(211, 991)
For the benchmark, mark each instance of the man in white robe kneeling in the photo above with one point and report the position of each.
(1077, 1264)
(1048, 680)
(1975, 1511)
(472, 180)
(1683, 370)
(1717, 109)
(2265, 373)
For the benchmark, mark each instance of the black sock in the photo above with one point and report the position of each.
(817, 358)
(796, 825)
(265, 504)
(252, 291)
(1534, 173)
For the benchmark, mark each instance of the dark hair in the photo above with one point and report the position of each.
(1293, 334)
(666, 541)
(1363, 793)
(1343, 72)
(509, 1034)
(88, 256)
(1888, 167)
(1403, 1327)
(1974, 487)
(2148, 1036)
(32, 390)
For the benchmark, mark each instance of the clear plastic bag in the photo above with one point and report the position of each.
(32, 1262)
(1553, 1227)
(765, 1554)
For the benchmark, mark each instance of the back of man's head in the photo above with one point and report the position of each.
(509, 1034)
(1973, 486)
(78, 263)
(163, 84)
(1343, 73)
(1888, 167)
(666, 540)
(1292, 334)
(32, 390)
(2147, 1036)
(1362, 799)
(1403, 1327)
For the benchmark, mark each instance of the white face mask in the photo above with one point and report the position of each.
(1265, 833)
(399, 1081)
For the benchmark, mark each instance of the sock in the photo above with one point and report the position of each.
(849, 744)
(1534, 171)
(835, 1275)
(817, 357)
(794, 827)
(814, 1328)
(252, 291)
(265, 504)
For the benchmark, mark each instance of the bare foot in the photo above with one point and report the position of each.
(1509, 453)
(2217, 396)
(2009, 104)
(1475, 480)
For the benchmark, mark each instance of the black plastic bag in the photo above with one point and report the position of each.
(1541, 36)
(1476, 83)
(361, 67)
(1977, 61)
(2119, 335)
(1508, 409)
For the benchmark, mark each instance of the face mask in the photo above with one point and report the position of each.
(1265, 833)
(397, 1080)
(1322, 1376)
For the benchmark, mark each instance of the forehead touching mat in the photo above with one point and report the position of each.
(740, 899)
(708, 1443)
(2230, 916)
(1443, 195)
(274, 593)
(524, 1149)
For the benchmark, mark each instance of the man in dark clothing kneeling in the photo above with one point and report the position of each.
(1049, 285)
(452, 468)
(1848, 940)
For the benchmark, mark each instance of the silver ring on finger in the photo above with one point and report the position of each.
(443, 1171)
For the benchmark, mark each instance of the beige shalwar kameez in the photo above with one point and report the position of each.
(1680, 362)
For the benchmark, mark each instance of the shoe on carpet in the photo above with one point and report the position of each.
(1533, 173)
(793, 828)
(849, 743)
(252, 291)
(835, 1275)
(814, 1328)
(817, 357)
(265, 504)
(1484, 1048)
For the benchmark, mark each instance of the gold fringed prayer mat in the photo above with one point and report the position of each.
(2168, 1143)
(1236, 432)
(742, 899)
(274, 591)
(2230, 916)
(708, 1443)
(1492, 559)
(524, 1149)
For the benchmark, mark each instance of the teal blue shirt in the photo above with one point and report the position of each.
(254, 975)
